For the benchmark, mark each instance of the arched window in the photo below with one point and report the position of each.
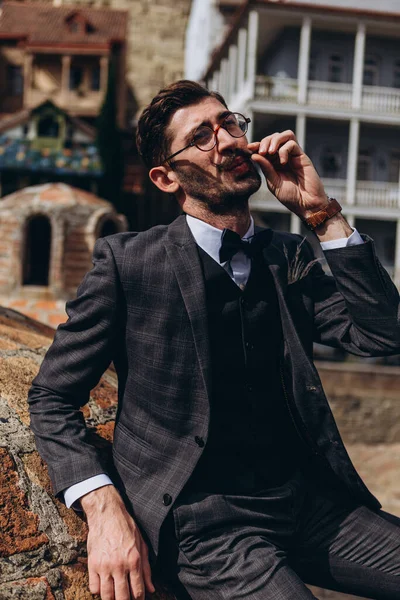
(37, 251)
(48, 127)
(108, 227)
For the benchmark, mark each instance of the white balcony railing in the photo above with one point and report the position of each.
(378, 195)
(324, 94)
(371, 194)
(381, 99)
(283, 89)
(330, 95)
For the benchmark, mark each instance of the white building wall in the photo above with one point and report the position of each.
(383, 6)
(206, 30)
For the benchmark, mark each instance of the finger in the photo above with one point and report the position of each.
(278, 139)
(94, 582)
(290, 149)
(267, 168)
(146, 570)
(107, 587)
(136, 581)
(121, 587)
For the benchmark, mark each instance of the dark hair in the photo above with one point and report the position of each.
(151, 139)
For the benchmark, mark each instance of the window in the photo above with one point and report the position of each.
(108, 227)
(364, 171)
(75, 78)
(336, 68)
(396, 74)
(312, 67)
(95, 78)
(15, 80)
(331, 162)
(371, 70)
(48, 127)
(37, 251)
(394, 166)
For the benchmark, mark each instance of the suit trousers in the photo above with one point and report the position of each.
(267, 544)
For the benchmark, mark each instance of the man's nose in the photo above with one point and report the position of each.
(224, 139)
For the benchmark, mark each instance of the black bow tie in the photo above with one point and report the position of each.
(231, 243)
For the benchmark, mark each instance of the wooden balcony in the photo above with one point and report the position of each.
(77, 103)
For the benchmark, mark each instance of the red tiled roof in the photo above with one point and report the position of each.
(44, 24)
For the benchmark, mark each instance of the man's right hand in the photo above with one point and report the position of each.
(118, 560)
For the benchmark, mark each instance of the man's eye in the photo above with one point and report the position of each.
(230, 120)
(202, 135)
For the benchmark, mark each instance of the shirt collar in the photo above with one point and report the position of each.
(209, 238)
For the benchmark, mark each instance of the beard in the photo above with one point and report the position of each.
(223, 195)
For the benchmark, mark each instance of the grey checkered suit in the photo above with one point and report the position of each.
(143, 307)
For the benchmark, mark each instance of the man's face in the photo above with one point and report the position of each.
(222, 178)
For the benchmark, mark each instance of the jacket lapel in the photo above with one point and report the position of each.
(185, 262)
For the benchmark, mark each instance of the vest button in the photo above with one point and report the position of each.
(167, 500)
(249, 387)
(199, 441)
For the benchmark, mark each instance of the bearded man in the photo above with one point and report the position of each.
(230, 467)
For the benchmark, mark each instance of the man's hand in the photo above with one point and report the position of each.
(289, 173)
(118, 561)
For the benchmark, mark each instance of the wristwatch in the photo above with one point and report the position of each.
(319, 217)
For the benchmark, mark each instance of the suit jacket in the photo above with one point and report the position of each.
(143, 307)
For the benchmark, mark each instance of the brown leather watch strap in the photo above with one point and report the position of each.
(319, 217)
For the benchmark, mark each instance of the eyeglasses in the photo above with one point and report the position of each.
(205, 137)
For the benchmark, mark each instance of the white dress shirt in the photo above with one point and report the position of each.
(209, 239)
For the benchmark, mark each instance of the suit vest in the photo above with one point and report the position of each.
(252, 441)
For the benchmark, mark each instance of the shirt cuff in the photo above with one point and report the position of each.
(75, 492)
(353, 240)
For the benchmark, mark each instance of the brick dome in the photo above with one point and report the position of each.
(47, 237)
(51, 195)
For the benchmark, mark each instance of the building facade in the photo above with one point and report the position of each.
(60, 54)
(331, 74)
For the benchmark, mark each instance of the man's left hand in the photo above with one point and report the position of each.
(289, 173)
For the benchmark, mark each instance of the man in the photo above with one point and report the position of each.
(229, 459)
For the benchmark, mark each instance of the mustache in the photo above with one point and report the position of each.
(228, 162)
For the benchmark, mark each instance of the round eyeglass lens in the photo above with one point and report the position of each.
(235, 124)
(204, 138)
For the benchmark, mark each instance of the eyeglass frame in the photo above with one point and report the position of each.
(215, 131)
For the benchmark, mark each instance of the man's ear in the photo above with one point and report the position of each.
(165, 179)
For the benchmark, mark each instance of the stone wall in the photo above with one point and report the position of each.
(42, 544)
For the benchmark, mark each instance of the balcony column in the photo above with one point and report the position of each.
(304, 60)
(104, 61)
(224, 80)
(65, 77)
(352, 161)
(242, 49)
(358, 67)
(252, 40)
(28, 61)
(233, 51)
(397, 256)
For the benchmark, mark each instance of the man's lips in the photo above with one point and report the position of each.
(234, 162)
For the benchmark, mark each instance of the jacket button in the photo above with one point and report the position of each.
(167, 499)
(199, 441)
(311, 388)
